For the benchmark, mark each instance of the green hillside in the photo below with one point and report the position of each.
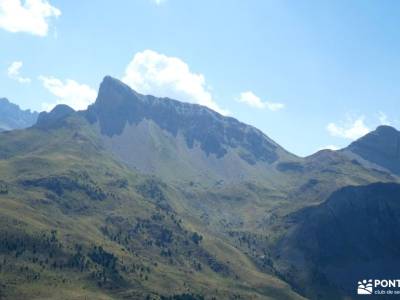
(76, 224)
(118, 202)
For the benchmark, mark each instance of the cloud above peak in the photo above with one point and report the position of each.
(351, 129)
(30, 16)
(158, 2)
(253, 100)
(13, 72)
(383, 119)
(153, 73)
(69, 92)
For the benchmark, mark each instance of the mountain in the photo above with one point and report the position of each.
(212, 159)
(353, 235)
(158, 135)
(12, 117)
(77, 223)
(140, 197)
(55, 118)
(244, 201)
(380, 147)
(167, 135)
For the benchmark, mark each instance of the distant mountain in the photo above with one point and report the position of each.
(355, 234)
(12, 117)
(55, 118)
(380, 147)
(166, 134)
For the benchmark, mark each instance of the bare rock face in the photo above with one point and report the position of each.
(119, 110)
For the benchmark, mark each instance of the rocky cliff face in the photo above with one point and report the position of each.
(176, 133)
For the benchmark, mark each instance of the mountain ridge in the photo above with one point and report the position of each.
(114, 93)
(380, 147)
(13, 117)
(196, 132)
(151, 197)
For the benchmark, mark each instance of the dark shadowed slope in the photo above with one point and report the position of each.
(355, 234)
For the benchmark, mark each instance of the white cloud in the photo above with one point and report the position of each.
(153, 73)
(351, 129)
(329, 147)
(158, 2)
(31, 16)
(13, 72)
(253, 100)
(76, 95)
(274, 106)
(383, 119)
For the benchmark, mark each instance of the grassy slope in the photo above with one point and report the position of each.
(62, 195)
(62, 198)
(252, 215)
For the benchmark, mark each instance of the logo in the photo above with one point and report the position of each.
(365, 287)
(378, 287)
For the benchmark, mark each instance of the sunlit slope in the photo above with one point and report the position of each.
(75, 223)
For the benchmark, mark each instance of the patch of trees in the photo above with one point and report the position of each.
(141, 270)
(196, 238)
(20, 242)
(44, 249)
(183, 297)
(215, 265)
(152, 189)
(3, 188)
(257, 246)
(79, 261)
(121, 183)
(20, 249)
(162, 233)
(106, 272)
(103, 258)
(59, 184)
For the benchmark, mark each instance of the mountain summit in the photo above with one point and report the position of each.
(380, 147)
(54, 117)
(165, 133)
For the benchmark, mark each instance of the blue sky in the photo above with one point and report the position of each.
(309, 74)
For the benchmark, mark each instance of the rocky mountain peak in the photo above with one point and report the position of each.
(54, 117)
(118, 105)
(381, 147)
